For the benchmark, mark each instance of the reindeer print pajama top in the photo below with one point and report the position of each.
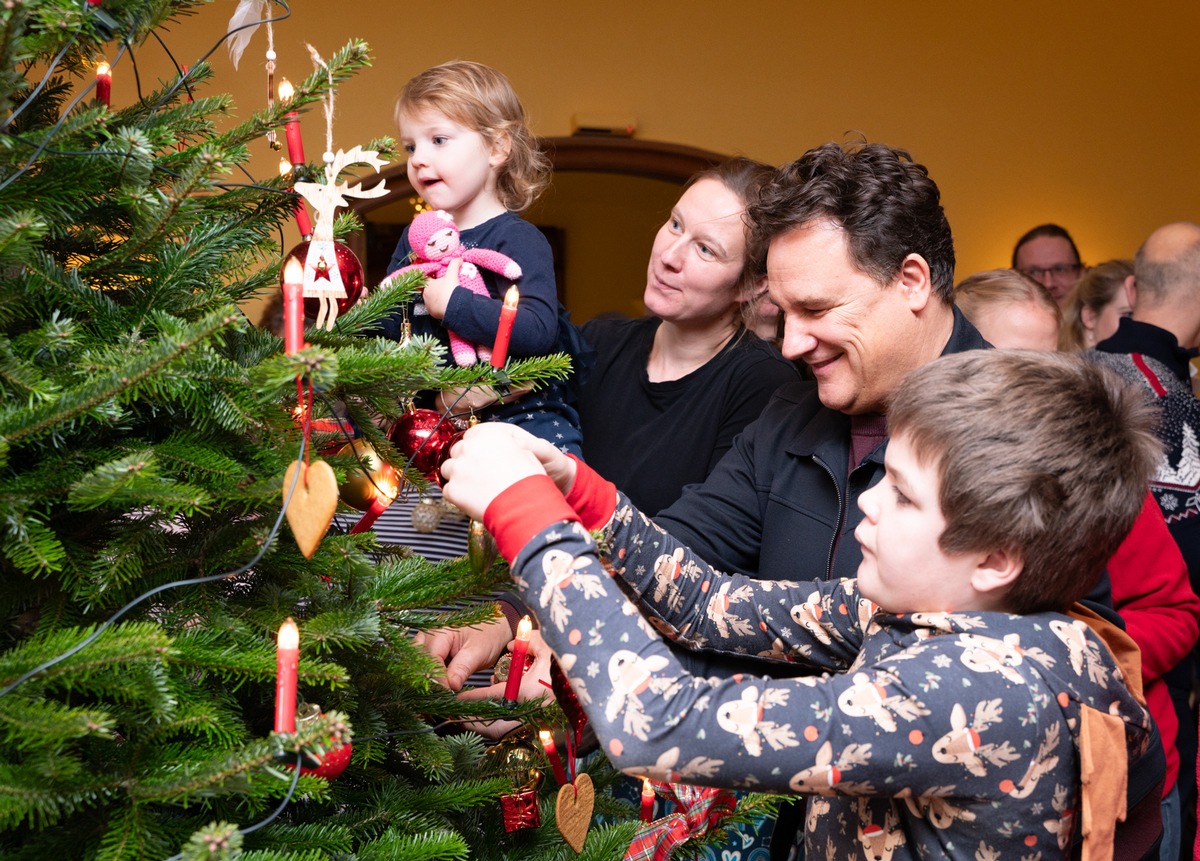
(917, 736)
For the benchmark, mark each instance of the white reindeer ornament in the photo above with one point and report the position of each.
(322, 275)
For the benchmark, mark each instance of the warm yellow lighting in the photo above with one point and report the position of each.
(289, 635)
(293, 271)
(388, 486)
(103, 69)
(286, 91)
(285, 167)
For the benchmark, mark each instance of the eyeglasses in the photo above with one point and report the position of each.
(1056, 273)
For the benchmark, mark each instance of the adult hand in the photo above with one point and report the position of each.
(535, 685)
(437, 290)
(466, 650)
(488, 460)
(461, 401)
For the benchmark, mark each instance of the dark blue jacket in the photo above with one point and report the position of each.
(779, 505)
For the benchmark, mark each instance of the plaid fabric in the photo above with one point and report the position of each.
(699, 809)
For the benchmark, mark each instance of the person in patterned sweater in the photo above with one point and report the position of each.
(960, 705)
(1153, 349)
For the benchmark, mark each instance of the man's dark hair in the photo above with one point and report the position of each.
(885, 203)
(1045, 230)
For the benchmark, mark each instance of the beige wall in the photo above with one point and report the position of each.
(1077, 112)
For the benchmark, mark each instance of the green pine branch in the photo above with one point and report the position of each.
(18, 424)
(145, 428)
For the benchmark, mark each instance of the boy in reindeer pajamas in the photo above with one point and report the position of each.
(960, 707)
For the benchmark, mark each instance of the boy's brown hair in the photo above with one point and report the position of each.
(481, 98)
(1043, 454)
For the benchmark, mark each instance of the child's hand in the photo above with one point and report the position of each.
(558, 466)
(490, 458)
(437, 290)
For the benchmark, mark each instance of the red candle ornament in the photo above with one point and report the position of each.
(287, 662)
(293, 306)
(295, 145)
(516, 669)
(508, 313)
(647, 800)
(291, 124)
(104, 84)
(552, 754)
(303, 223)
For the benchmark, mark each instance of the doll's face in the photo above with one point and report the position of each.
(440, 243)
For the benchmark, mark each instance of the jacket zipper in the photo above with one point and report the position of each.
(837, 530)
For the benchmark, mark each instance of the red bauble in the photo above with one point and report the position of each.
(333, 763)
(424, 437)
(352, 277)
(336, 757)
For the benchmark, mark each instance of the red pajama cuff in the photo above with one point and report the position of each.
(592, 496)
(524, 510)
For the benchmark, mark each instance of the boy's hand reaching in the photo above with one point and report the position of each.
(557, 465)
(490, 458)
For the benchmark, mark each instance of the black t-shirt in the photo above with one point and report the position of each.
(651, 439)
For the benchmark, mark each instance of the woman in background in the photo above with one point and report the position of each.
(1096, 305)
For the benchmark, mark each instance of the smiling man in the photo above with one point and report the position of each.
(861, 261)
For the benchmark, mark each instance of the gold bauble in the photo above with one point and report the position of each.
(426, 516)
(516, 756)
(481, 548)
(361, 488)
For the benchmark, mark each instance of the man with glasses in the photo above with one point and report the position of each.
(1048, 255)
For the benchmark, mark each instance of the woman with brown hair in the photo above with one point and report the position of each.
(669, 392)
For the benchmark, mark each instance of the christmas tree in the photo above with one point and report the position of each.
(145, 431)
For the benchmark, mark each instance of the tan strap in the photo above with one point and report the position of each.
(1104, 773)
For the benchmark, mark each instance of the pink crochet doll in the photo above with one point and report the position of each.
(434, 239)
